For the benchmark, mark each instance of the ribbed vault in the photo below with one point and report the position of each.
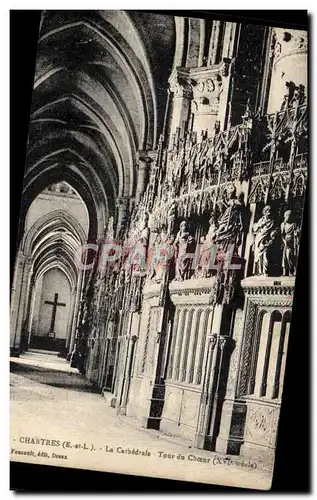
(99, 97)
(53, 242)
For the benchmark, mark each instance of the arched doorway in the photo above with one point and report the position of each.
(48, 282)
(50, 319)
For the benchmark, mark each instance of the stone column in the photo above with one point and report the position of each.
(192, 346)
(128, 356)
(270, 352)
(18, 270)
(222, 41)
(200, 350)
(71, 318)
(206, 395)
(152, 419)
(233, 412)
(213, 409)
(76, 314)
(36, 309)
(117, 363)
(108, 339)
(195, 43)
(184, 355)
(173, 342)
(31, 315)
(147, 385)
(214, 41)
(143, 166)
(25, 335)
(182, 95)
(178, 342)
(19, 300)
(180, 352)
(123, 203)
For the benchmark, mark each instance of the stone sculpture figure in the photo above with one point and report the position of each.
(145, 230)
(152, 261)
(138, 255)
(207, 251)
(230, 224)
(288, 96)
(144, 236)
(290, 237)
(161, 255)
(138, 262)
(298, 96)
(185, 247)
(265, 234)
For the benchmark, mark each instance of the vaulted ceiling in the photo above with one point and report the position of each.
(53, 241)
(99, 96)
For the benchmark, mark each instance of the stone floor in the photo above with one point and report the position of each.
(56, 413)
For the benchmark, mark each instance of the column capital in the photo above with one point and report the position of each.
(223, 340)
(179, 84)
(212, 340)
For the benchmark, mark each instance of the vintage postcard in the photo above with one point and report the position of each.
(159, 232)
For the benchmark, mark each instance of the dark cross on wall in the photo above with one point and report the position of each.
(55, 305)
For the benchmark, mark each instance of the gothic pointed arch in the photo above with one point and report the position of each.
(95, 105)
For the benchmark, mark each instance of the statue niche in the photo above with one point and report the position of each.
(290, 239)
(230, 223)
(222, 234)
(161, 255)
(134, 265)
(185, 246)
(265, 234)
(207, 251)
(138, 255)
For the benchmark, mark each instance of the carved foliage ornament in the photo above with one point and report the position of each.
(206, 94)
(261, 424)
(180, 87)
(247, 348)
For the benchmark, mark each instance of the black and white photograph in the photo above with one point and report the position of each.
(157, 246)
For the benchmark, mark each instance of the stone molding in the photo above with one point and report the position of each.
(193, 291)
(152, 291)
(203, 85)
(267, 286)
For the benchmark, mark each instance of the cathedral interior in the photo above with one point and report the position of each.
(161, 212)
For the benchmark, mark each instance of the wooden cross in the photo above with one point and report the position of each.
(55, 304)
